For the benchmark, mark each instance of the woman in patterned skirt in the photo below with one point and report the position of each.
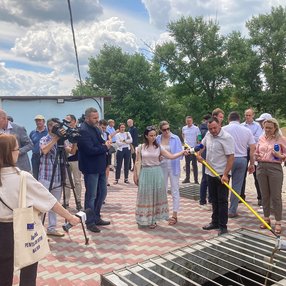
(152, 203)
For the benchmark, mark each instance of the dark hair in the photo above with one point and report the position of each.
(102, 122)
(207, 117)
(72, 117)
(146, 132)
(213, 119)
(120, 124)
(7, 145)
(233, 116)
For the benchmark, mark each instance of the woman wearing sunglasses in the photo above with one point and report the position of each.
(152, 202)
(171, 168)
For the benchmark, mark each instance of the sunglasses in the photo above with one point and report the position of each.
(166, 129)
(150, 128)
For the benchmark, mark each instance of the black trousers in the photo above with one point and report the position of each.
(120, 156)
(35, 160)
(191, 158)
(219, 193)
(28, 274)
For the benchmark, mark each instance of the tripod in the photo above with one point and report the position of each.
(62, 162)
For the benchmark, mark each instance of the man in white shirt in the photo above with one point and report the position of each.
(190, 134)
(243, 139)
(256, 131)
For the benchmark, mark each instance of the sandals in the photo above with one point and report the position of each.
(262, 226)
(278, 228)
(173, 220)
(115, 182)
(152, 226)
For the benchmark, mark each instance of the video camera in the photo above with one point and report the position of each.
(70, 134)
(81, 119)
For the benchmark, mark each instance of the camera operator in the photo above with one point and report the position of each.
(73, 162)
(48, 150)
(92, 162)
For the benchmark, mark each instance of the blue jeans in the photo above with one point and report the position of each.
(237, 176)
(95, 194)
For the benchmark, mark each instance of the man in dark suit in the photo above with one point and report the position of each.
(25, 144)
(134, 134)
(92, 163)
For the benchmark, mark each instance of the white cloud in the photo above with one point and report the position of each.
(23, 83)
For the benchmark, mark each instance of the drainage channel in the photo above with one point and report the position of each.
(189, 191)
(238, 258)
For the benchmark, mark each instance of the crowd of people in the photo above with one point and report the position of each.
(254, 146)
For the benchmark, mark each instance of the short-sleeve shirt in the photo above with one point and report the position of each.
(219, 147)
(191, 134)
(47, 161)
(37, 195)
(242, 136)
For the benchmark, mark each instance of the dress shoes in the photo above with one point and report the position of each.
(102, 222)
(222, 231)
(93, 228)
(210, 226)
(186, 181)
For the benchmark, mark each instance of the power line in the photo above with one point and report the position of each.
(74, 43)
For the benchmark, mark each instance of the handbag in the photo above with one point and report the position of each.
(138, 162)
(30, 239)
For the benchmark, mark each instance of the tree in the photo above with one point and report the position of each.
(135, 85)
(244, 83)
(268, 36)
(195, 62)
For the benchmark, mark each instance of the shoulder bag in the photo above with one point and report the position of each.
(30, 239)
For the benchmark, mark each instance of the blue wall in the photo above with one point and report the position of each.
(24, 110)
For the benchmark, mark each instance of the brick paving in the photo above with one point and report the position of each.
(120, 244)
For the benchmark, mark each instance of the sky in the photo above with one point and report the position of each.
(37, 55)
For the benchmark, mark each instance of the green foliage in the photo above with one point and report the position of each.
(203, 70)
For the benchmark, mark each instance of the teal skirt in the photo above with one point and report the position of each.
(152, 202)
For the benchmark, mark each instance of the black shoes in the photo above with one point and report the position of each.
(222, 231)
(93, 228)
(210, 226)
(102, 222)
(186, 181)
(126, 181)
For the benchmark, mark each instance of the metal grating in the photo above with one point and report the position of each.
(189, 191)
(238, 258)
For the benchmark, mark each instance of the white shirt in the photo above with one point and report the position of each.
(190, 135)
(123, 140)
(218, 147)
(242, 136)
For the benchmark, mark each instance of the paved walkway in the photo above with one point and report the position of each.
(71, 262)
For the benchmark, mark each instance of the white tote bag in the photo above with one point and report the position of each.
(30, 239)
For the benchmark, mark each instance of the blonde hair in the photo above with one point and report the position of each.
(276, 126)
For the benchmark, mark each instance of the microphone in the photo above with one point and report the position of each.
(81, 215)
(199, 147)
(192, 150)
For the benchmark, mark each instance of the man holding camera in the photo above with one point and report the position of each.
(92, 163)
(73, 163)
(48, 149)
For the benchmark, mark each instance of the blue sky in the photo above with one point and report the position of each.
(36, 48)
